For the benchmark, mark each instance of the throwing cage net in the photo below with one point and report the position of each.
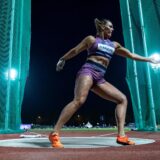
(141, 29)
(14, 60)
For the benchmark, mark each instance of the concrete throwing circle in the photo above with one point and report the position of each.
(70, 142)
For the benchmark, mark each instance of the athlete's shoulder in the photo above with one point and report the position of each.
(116, 44)
(90, 38)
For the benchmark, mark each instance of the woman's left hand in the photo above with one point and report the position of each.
(153, 60)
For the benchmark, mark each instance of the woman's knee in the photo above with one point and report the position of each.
(123, 99)
(79, 101)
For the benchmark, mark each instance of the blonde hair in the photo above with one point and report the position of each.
(99, 24)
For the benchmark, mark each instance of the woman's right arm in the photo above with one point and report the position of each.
(83, 45)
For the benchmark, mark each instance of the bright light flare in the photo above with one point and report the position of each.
(11, 74)
(156, 57)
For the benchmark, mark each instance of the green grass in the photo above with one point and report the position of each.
(78, 129)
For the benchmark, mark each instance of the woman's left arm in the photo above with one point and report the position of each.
(119, 50)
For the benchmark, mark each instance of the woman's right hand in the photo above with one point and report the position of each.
(60, 65)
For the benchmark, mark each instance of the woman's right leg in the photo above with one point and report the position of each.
(82, 87)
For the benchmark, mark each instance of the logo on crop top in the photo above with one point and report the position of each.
(105, 48)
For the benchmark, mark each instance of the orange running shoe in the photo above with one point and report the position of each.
(55, 140)
(124, 140)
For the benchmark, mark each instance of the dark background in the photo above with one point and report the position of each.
(56, 27)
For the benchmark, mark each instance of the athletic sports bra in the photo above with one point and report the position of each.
(102, 47)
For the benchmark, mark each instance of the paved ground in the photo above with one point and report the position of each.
(149, 151)
(70, 142)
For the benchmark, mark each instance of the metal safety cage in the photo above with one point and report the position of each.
(15, 30)
(141, 25)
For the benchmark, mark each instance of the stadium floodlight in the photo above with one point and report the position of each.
(11, 74)
(155, 56)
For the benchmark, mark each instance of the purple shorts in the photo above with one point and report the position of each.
(93, 69)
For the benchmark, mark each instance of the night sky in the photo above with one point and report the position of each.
(56, 27)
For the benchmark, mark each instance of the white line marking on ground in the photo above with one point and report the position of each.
(104, 135)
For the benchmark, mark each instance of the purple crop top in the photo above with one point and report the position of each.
(102, 47)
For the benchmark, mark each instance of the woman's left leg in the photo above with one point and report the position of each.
(109, 92)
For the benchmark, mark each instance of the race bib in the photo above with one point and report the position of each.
(105, 48)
